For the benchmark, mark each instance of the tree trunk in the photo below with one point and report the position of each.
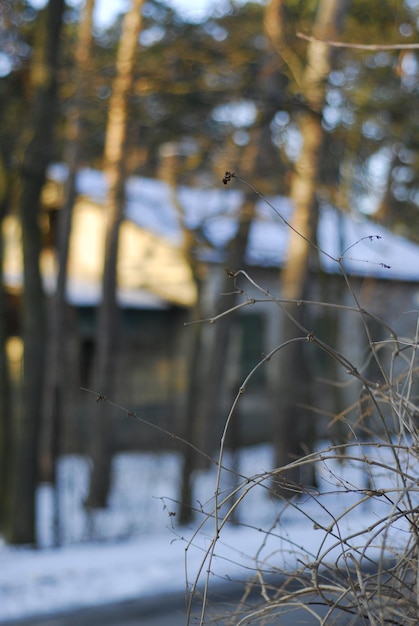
(32, 176)
(204, 420)
(207, 359)
(56, 353)
(212, 416)
(107, 343)
(193, 393)
(293, 425)
(5, 391)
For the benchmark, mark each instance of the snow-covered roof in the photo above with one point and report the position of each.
(374, 250)
(366, 249)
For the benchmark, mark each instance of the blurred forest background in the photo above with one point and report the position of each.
(158, 96)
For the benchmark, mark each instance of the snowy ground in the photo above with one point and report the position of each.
(135, 549)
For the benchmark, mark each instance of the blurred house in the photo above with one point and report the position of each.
(156, 289)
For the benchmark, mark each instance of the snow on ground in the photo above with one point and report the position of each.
(134, 549)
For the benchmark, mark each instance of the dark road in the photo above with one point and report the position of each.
(170, 611)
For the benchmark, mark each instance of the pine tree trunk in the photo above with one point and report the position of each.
(207, 362)
(107, 336)
(5, 390)
(294, 430)
(56, 355)
(32, 177)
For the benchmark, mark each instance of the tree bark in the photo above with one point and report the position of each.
(56, 353)
(36, 157)
(107, 343)
(293, 425)
(207, 359)
(204, 420)
(5, 389)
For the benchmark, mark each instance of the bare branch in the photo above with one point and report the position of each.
(361, 46)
